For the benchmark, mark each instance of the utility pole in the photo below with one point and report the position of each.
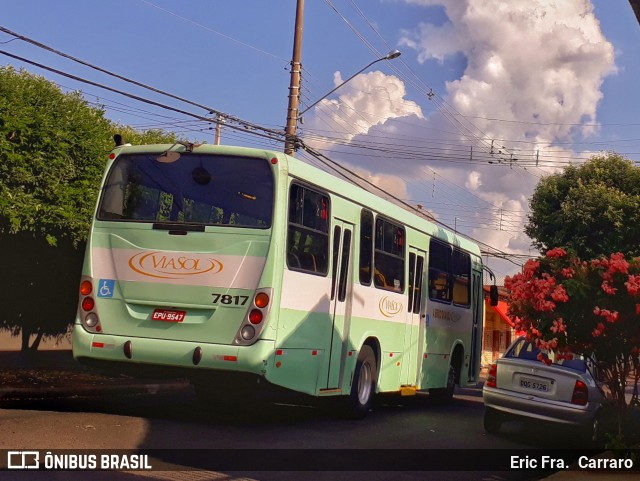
(219, 120)
(294, 85)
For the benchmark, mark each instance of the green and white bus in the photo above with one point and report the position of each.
(236, 267)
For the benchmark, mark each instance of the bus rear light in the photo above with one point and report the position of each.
(88, 304)
(85, 288)
(492, 380)
(91, 320)
(261, 300)
(255, 316)
(248, 332)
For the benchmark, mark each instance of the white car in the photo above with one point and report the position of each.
(519, 385)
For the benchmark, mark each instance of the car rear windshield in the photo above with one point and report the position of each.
(192, 189)
(523, 349)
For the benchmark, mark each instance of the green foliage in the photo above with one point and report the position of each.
(48, 141)
(591, 209)
(53, 148)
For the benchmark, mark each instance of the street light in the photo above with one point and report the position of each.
(390, 56)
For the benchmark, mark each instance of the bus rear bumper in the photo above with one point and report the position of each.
(107, 350)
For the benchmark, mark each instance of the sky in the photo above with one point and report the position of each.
(487, 97)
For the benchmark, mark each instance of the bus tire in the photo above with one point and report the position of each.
(445, 394)
(364, 383)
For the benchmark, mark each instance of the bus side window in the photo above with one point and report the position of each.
(440, 285)
(461, 278)
(366, 247)
(308, 231)
(389, 257)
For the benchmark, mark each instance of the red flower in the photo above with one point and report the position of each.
(608, 288)
(559, 294)
(610, 316)
(633, 285)
(556, 252)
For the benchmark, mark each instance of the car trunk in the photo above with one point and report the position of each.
(552, 382)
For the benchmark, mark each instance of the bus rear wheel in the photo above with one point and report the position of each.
(444, 395)
(364, 383)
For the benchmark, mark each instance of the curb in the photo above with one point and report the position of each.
(90, 390)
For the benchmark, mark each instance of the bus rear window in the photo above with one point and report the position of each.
(195, 189)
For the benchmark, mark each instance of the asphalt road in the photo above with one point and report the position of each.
(180, 432)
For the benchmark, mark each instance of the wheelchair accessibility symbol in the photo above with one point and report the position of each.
(105, 287)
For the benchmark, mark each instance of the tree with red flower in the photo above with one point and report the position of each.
(569, 306)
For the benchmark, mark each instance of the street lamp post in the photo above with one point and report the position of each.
(292, 123)
(389, 56)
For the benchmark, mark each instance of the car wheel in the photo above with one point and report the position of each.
(363, 387)
(593, 433)
(492, 420)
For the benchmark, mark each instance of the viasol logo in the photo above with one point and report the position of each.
(165, 265)
(389, 307)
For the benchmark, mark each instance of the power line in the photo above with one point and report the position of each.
(244, 125)
(126, 79)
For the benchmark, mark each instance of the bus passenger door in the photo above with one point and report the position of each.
(341, 289)
(476, 333)
(414, 339)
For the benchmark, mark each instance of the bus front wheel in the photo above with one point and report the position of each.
(364, 383)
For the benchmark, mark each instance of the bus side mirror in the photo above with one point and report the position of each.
(493, 295)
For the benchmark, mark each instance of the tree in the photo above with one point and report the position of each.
(570, 306)
(53, 149)
(591, 209)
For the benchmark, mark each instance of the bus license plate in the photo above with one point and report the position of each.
(535, 385)
(168, 315)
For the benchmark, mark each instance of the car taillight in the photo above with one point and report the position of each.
(580, 394)
(492, 381)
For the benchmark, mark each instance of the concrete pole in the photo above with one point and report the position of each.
(294, 85)
(218, 129)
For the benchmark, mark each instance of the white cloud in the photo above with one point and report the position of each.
(367, 100)
(529, 61)
(537, 65)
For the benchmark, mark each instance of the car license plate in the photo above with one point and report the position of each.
(168, 315)
(534, 385)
